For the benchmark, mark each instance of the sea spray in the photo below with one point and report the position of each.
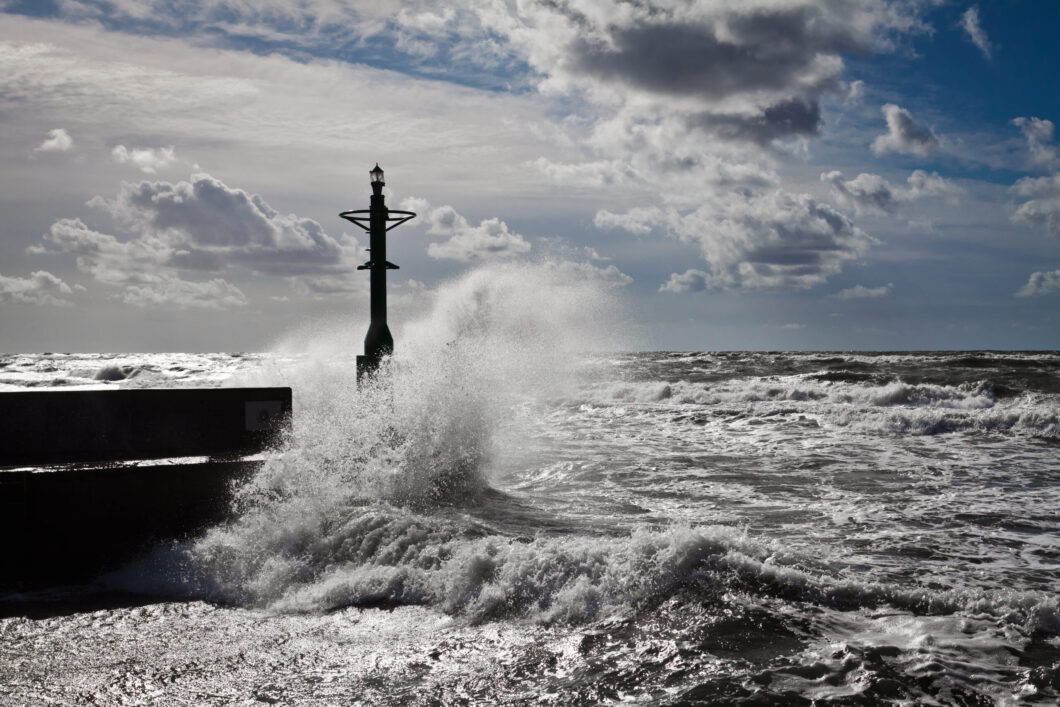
(417, 437)
(380, 496)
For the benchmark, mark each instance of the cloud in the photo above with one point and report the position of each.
(610, 276)
(1041, 283)
(689, 281)
(794, 326)
(600, 173)
(904, 134)
(923, 185)
(1039, 136)
(749, 72)
(872, 193)
(862, 292)
(855, 91)
(200, 226)
(970, 24)
(207, 225)
(148, 159)
(796, 117)
(722, 50)
(866, 192)
(140, 267)
(40, 288)
(640, 220)
(489, 239)
(1042, 208)
(770, 241)
(58, 140)
(170, 291)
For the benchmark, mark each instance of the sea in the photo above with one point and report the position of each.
(527, 506)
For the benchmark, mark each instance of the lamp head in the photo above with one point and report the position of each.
(377, 179)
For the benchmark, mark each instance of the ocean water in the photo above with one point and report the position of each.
(512, 514)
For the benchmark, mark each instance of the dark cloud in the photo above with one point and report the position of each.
(794, 118)
(765, 49)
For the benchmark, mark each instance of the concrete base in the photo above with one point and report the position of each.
(66, 524)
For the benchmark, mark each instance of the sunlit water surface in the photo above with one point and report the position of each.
(504, 520)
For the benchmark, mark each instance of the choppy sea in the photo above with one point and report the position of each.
(504, 517)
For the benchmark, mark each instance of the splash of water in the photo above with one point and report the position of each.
(361, 481)
(370, 501)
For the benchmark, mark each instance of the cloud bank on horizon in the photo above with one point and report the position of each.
(191, 160)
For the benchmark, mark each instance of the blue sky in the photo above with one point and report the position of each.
(769, 174)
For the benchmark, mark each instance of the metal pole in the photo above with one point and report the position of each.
(378, 342)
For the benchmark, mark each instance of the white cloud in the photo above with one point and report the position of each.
(794, 326)
(639, 220)
(140, 267)
(610, 276)
(866, 192)
(904, 134)
(769, 241)
(170, 291)
(148, 159)
(103, 256)
(1042, 208)
(970, 24)
(862, 292)
(489, 239)
(689, 281)
(1039, 135)
(239, 103)
(39, 288)
(600, 173)
(923, 185)
(207, 225)
(855, 91)
(58, 140)
(1041, 283)
(873, 193)
(201, 226)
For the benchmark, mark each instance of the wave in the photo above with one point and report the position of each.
(381, 555)
(893, 407)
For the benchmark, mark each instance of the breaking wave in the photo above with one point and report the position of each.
(892, 407)
(383, 495)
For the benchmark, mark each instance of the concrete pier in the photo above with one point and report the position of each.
(90, 478)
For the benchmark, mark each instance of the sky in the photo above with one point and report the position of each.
(741, 174)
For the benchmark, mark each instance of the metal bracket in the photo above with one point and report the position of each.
(371, 264)
(354, 217)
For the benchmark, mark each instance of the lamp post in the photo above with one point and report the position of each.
(377, 220)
